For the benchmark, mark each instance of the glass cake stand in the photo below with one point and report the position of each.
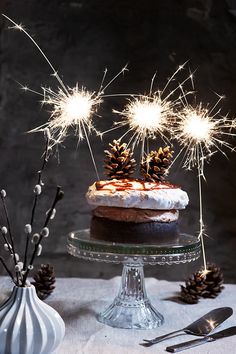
(131, 308)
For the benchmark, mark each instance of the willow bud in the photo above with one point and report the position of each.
(17, 268)
(39, 251)
(4, 230)
(21, 265)
(7, 247)
(28, 229)
(53, 213)
(35, 238)
(37, 189)
(45, 232)
(16, 256)
(3, 193)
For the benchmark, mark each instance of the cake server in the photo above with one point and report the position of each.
(231, 331)
(200, 327)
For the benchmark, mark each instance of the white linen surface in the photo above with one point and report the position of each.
(79, 300)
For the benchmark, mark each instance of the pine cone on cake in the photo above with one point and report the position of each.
(155, 166)
(44, 281)
(214, 282)
(193, 289)
(119, 162)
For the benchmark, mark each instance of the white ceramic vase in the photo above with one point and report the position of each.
(28, 325)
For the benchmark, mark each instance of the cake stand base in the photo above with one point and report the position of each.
(131, 308)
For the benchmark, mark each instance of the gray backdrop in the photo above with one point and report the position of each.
(82, 38)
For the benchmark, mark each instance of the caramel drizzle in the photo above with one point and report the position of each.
(126, 184)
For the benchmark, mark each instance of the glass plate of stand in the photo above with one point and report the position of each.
(131, 308)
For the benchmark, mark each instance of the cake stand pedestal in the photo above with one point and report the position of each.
(131, 308)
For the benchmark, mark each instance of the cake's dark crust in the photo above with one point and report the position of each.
(129, 232)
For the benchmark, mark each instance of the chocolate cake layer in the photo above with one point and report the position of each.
(130, 232)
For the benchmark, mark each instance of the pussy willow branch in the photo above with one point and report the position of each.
(9, 228)
(10, 234)
(45, 161)
(7, 242)
(58, 197)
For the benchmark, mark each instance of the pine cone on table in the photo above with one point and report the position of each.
(44, 281)
(214, 282)
(119, 161)
(207, 285)
(155, 166)
(193, 289)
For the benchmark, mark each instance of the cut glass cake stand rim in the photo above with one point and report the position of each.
(186, 249)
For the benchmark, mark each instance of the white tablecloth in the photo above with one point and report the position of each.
(78, 301)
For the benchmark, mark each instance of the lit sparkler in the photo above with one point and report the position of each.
(70, 110)
(69, 107)
(149, 116)
(201, 132)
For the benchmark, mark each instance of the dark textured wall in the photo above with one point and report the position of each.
(82, 38)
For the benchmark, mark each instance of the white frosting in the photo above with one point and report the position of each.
(156, 199)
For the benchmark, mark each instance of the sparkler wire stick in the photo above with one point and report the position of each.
(90, 149)
(201, 231)
(143, 146)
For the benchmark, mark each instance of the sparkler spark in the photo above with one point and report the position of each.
(69, 107)
(73, 109)
(201, 134)
(149, 116)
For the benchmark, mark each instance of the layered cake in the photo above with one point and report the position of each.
(129, 210)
